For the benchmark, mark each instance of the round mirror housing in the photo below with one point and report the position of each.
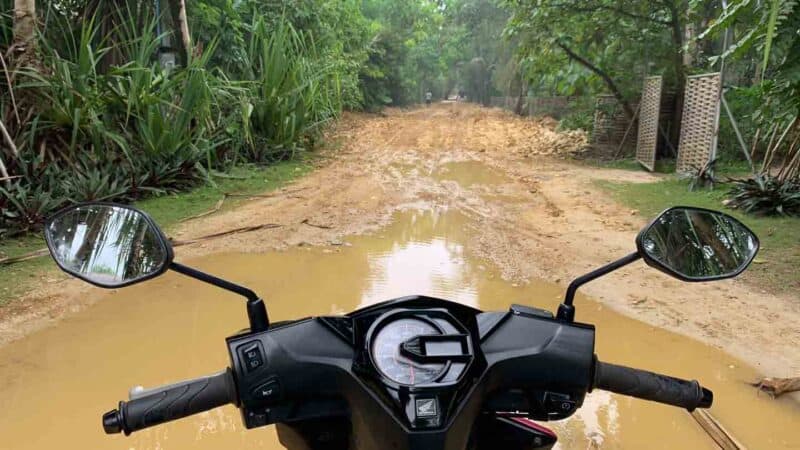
(107, 245)
(695, 244)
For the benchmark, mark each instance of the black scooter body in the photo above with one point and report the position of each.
(313, 373)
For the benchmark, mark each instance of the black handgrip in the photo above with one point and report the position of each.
(171, 402)
(651, 386)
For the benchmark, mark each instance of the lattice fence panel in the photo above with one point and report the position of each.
(610, 124)
(555, 107)
(649, 109)
(698, 141)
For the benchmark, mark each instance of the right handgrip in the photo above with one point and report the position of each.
(651, 386)
(171, 402)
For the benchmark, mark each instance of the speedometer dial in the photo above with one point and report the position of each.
(386, 352)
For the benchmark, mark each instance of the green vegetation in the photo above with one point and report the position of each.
(119, 101)
(146, 102)
(136, 130)
(167, 210)
(774, 270)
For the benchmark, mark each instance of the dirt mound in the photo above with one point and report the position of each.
(550, 142)
(536, 136)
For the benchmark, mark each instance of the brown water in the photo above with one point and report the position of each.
(55, 384)
(469, 173)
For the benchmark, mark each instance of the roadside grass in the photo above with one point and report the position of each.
(777, 266)
(169, 210)
(724, 168)
(662, 166)
(18, 279)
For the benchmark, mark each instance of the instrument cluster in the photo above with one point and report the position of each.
(415, 353)
(418, 348)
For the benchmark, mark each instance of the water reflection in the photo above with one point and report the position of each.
(421, 261)
(699, 244)
(470, 173)
(108, 245)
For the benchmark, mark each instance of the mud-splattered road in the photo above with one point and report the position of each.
(547, 222)
(539, 217)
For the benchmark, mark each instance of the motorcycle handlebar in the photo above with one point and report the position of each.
(167, 403)
(651, 386)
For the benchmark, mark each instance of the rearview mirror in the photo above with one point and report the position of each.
(107, 245)
(695, 244)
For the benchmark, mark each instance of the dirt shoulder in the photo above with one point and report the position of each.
(547, 220)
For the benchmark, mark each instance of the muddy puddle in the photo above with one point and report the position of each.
(469, 173)
(55, 384)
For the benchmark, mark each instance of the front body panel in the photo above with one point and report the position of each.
(522, 363)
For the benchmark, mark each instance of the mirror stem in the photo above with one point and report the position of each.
(566, 311)
(256, 311)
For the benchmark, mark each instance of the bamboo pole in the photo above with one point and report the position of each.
(184, 25)
(771, 152)
(755, 145)
(736, 130)
(716, 431)
(10, 89)
(7, 138)
(628, 130)
(769, 146)
(4, 173)
(788, 161)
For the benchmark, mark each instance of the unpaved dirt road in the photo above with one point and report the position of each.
(545, 219)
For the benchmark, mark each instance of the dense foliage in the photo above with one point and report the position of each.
(94, 113)
(586, 47)
(766, 196)
(93, 107)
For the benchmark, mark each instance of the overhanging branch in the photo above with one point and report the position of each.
(612, 86)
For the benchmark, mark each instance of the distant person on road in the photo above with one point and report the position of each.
(428, 97)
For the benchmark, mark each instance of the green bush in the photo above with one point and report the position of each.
(577, 120)
(132, 130)
(744, 104)
(766, 195)
(293, 92)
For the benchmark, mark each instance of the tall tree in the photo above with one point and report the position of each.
(178, 13)
(616, 41)
(24, 42)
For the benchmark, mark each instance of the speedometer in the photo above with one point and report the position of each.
(387, 358)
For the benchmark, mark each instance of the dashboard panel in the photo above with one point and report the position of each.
(414, 353)
(391, 363)
(423, 364)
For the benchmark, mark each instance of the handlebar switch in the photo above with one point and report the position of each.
(559, 405)
(268, 392)
(252, 356)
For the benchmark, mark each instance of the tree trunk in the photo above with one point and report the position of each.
(680, 72)
(626, 106)
(523, 88)
(177, 9)
(24, 43)
(185, 36)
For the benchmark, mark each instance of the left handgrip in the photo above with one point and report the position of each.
(160, 405)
